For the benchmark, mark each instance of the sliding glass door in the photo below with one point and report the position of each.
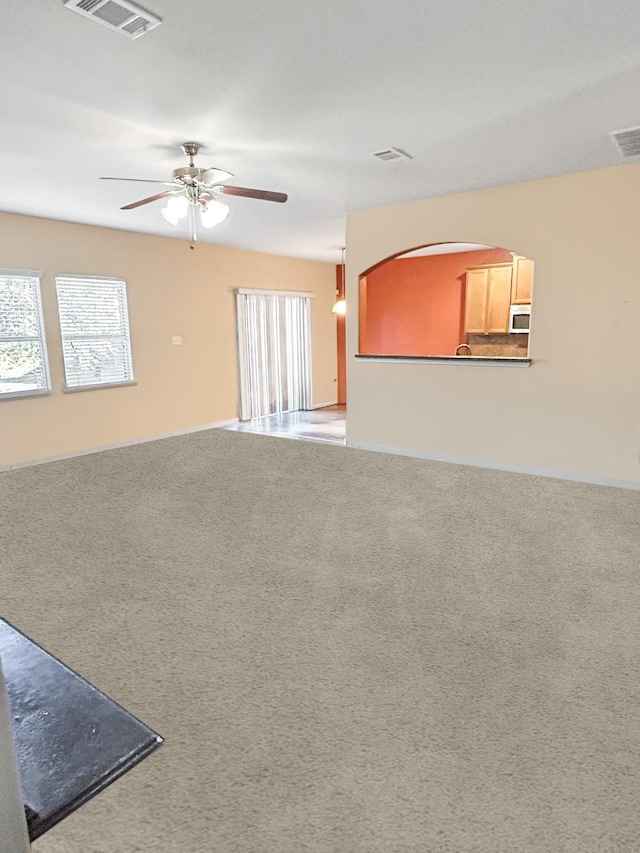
(274, 352)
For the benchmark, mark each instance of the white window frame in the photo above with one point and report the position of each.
(125, 337)
(34, 276)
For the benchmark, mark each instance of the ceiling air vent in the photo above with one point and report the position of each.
(120, 15)
(392, 154)
(628, 141)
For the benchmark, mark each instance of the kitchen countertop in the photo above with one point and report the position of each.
(453, 359)
(71, 740)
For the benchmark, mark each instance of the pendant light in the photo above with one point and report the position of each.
(341, 305)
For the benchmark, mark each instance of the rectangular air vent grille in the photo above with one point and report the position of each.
(628, 141)
(120, 15)
(136, 24)
(113, 14)
(392, 154)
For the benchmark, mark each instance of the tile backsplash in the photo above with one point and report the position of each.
(508, 346)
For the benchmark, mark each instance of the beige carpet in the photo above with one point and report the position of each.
(346, 652)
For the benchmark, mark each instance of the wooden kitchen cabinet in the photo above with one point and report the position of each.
(522, 280)
(487, 299)
(475, 309)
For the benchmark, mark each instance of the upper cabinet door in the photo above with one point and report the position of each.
(522, 280)
(499, 300)
(475, 307)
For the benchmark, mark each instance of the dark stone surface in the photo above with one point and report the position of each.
(460, 359)
(71, 740)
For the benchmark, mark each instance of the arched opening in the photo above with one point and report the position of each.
(448, 299)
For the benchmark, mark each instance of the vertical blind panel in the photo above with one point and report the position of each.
(94, 324)
(275, 360)
(23, 362)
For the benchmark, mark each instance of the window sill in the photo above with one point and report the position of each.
(67, 390)
(23, 395)
(474, 360)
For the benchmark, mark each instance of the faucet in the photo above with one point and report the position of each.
(460, 347)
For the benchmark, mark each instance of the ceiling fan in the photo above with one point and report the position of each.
(194, 189)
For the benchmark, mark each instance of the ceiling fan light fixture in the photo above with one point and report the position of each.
(213, 213)
(169, 215)
(175, 209)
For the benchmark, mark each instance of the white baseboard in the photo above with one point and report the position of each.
(481, 463)
(358, 445)
(323, 405)
(118, 444)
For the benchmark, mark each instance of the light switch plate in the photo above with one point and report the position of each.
(176, 340)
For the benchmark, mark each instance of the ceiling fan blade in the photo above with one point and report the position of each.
(140, 181)
(214, 176)
(265, 195)
(146, 200)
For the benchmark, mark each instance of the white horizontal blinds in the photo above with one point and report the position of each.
(94, 324)
(274, 353)
(23, 356)
(298, 352)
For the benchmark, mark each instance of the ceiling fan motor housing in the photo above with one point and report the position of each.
(187, 174)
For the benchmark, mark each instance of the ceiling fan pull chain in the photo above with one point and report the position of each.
(192, 223)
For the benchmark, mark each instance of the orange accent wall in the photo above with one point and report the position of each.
(342, 342)
(415, 306)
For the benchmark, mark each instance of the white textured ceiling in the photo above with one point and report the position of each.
(294, 97)
(444, 249)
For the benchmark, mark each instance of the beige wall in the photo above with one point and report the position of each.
(172, 290)
(576, 410)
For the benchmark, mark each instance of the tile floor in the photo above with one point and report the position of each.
(326, 425)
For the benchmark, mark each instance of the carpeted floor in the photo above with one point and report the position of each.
(346, 652)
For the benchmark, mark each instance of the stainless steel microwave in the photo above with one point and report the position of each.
(519, 319)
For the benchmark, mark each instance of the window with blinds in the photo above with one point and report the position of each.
(94, 324)
(23, 354)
